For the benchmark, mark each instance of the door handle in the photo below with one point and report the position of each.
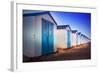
(33, 36)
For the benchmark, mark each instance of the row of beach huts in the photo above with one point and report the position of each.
(42, 35)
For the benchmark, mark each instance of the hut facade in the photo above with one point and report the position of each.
(74, 38)
(79, 38)
(39, 33)
(63, 36)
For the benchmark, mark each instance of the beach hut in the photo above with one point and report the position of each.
(79, 38)
(82, 39)
(74, 38)
(86, 39)
(63, 36)
(39, 33)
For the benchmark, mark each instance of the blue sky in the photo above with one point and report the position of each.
(77, 21)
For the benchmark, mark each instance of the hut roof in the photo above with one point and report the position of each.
(74, 31)
(37, 13)
(63, 27)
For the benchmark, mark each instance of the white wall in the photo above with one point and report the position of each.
(38, 34)
(28, 36)
(5, 37)
(61, 38)
(32, 36)
(74, 39)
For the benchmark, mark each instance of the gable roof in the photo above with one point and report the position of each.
(63, 26)
(74, 31)
(40, 13)
(85, 36)
(79, 33)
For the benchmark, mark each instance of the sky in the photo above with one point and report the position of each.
(77, 21)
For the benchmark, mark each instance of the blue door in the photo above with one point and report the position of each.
(50, 38)
(68, 39)
(47, 37)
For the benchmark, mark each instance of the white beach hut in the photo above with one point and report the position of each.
(39, 33)
(79, 38)
(74, 38)
(63, 36)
